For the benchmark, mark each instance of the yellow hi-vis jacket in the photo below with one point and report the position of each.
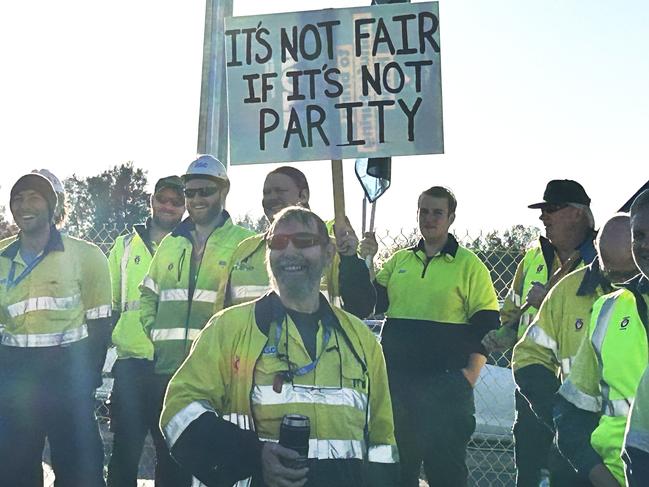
(52, 302)
(129, 261)
(538, 264)
(607, 371)
(232, 371)
(177, 300)
(553, 338)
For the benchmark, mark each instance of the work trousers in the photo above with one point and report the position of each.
(168, 473)
(562, 474)
(434, 420)
(532, 442)
(48, 392)
(134, 410)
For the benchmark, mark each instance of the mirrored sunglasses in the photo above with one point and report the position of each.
(301, 240)
(203, 192)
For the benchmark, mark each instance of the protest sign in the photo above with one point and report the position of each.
(334, 84)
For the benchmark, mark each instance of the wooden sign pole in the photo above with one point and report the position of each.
(339, 191)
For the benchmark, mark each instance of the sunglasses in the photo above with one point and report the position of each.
(203, 192)
(177, 202)
(300, 240)
(553, 208)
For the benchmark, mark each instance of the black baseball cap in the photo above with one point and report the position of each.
(173, 182)
(563, 191)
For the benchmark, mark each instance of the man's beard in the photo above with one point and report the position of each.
(295, 286)
(166, 225)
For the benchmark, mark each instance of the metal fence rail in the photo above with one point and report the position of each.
(490, 453)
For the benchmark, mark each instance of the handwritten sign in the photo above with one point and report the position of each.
(334, 84)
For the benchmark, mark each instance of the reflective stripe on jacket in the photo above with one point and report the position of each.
(607, 371)
(343, 396)
(51, 304)
(129, 261)
(171, 317)
(553, 338)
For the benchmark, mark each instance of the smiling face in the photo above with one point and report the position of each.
(30, 211)
(280, 191)
(296, 272)
(433, 216)
(640, 239)
(203, 209)
(167, 208)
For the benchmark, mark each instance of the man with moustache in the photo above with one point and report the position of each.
(595, 400)
(547, 350)
(55, 314)
(132, 402)
(568, 242)
(179, 290)
(288, 352)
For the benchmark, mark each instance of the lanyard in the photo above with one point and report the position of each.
(13, 281)
(307, 368)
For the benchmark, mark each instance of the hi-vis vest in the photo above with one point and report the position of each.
(249, 278)
(618, 341)
(534, 268)
(554, 337)
(49, 304)
(174, 310)
(230, 373)
(129, 262)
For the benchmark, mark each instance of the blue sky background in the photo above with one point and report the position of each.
(532, 91)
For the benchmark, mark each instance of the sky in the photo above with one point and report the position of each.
(532, 91)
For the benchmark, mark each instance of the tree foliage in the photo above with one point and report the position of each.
(6, 227)
(256, 224)
(115, 199)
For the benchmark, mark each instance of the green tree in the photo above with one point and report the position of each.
(6, 227)
(256, 224)
(104, 206)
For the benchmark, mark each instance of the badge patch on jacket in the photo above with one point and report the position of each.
(539, 268)
(579, 324)
(624, 323)
(137, 259)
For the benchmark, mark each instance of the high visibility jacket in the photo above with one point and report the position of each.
(553, 338)
(538, 264)
(236, 360)
(178, 299)
(607, 370)
(249, 278)
(637, 432)
(129, 261)
(48, 304)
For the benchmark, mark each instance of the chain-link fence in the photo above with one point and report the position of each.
(490, 453)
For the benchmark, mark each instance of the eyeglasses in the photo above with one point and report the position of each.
(302, 240)
(203, 192)
(177, 202)
(553, 207)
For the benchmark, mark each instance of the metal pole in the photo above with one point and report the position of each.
(213, 115)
